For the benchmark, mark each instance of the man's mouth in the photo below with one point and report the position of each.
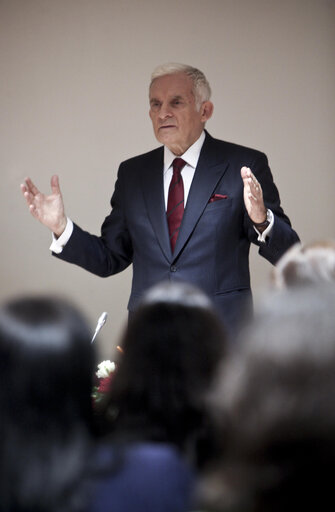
(167, 126)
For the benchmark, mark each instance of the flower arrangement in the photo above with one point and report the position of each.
(104, 375)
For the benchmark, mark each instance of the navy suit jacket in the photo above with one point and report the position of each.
(212, 249)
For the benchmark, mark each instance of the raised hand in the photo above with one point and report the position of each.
(253, 196)
(48, 209)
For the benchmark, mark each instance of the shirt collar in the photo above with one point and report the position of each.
(191, 155)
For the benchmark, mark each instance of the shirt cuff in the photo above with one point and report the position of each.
(59, 243)
(262, 236)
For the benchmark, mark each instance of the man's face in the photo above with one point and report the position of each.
(175, 119)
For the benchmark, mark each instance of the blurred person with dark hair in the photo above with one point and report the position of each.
(306, 264)
(46, 367)
(274, 410)
(159, 431)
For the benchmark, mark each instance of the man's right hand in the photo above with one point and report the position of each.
(48, 209)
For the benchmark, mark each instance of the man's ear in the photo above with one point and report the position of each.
(206, 110)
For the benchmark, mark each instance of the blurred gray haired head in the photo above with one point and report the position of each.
(183, 294)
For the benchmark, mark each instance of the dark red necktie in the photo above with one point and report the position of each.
(175, 206)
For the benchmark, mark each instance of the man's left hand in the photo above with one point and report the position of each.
(253, 196)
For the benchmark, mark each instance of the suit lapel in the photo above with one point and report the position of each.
(210, 169)
(153, 191)
(208, 173)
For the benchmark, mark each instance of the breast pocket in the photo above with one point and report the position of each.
(218, 205)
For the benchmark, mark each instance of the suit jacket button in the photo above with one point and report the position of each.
(173, 268)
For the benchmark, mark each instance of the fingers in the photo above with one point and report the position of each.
(30, 187)
(253, 196)
(26, 191)
(23, 189)
(32, 196)
(248, 175)
(252, 185)
(29, 192)
(245, 172)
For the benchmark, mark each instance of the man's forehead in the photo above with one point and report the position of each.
(176, 85)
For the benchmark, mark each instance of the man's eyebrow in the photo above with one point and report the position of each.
(173, 98)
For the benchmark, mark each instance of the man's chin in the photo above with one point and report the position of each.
(165, 138)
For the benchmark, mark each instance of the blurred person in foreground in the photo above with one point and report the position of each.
(274, 410)
(306, 264)
(155, 410)
(46, 367)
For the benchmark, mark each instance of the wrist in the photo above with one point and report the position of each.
(61, 228)
(261, 226)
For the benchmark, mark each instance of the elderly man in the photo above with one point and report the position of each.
(186, 211)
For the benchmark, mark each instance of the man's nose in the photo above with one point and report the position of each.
(164, 112)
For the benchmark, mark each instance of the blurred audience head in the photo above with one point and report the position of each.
(306, 264)
(274, 409)
(171, 349)
(46, 368)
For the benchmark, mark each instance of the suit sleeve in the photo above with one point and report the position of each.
(109, 253)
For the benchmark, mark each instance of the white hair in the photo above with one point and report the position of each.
(201, 87)
(303, 264)
(183, 294)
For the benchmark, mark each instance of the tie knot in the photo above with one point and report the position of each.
(178, 164)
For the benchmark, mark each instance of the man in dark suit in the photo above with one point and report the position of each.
(202, 236)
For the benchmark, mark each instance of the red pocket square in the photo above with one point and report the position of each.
(217, 197)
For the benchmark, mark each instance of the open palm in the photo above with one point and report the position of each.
(48, 209)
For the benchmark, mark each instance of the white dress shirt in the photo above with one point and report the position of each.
(191, 157)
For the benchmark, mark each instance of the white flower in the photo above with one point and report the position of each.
(105, 368)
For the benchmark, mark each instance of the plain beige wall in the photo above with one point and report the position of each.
(74, 79)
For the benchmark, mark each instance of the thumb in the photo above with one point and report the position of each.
(55, 184)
